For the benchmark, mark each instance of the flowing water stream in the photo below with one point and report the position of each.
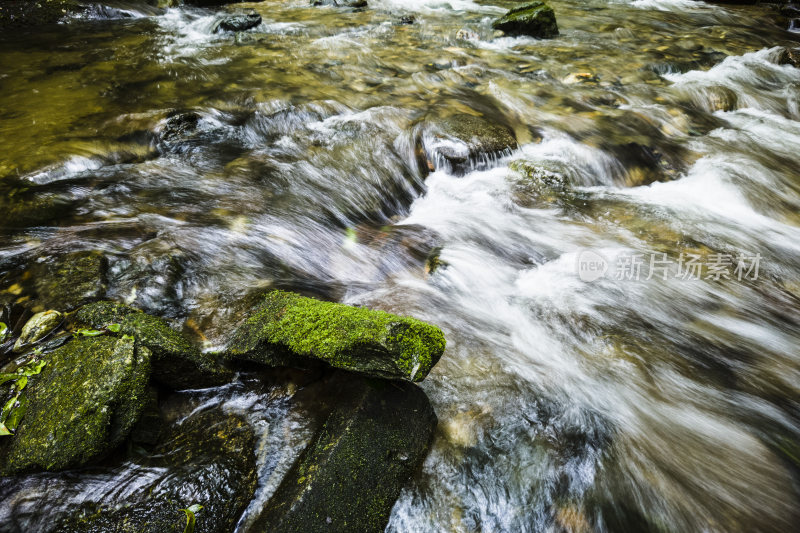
(646, 399)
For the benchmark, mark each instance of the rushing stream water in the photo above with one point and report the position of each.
(645, 399)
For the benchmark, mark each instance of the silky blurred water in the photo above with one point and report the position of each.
(627, 403)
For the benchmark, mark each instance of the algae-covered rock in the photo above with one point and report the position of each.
(176, 362)
(71, 280)
(353, 470)
(288, 329)
(536, 19)
(465, 142)
(208, 459)
(37, 327)
(82, 405)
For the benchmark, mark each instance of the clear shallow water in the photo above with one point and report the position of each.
(564, 405)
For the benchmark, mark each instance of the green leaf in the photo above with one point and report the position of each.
(190, 518)
(4, 430)
(89, 332)
(3, 331)
(127, 337)
(114, 328)
(9, 377)
(34, 367)
(16, 414)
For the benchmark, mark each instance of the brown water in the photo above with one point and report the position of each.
(564, 405)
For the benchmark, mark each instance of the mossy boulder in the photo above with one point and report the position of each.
(82, 405)
(352, 472)
(287, 329)
(535, 19)
(463, 142)
(207, 459)
(176, 362)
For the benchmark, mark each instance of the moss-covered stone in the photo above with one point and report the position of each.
(464, 142)
(536, 19)
(84, 403)
(351, 474)
(176, 362)
(208, 459)
(287, 329)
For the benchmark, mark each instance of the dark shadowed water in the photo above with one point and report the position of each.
(647, 399)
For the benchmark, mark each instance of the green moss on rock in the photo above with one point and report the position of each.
(287, 329)
(83, 404)
(176, 362)
(351, 474)
(536, 19)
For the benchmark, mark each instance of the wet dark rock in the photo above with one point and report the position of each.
(790, 56)
(240, 22)
(82, 405)
(352, 473)
(207, 459)
(535, 19)
(460, 143)
(179, 125)
(212, 3)
(340, 3)
(287, 329)
(407, 19)
(176, 362)
(29, 13)
(70, 280)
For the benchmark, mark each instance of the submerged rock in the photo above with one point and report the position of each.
(207, 459)
(240, 22)
(82, 405)
(536, 19)
(37, 327)
(71, 280)
(352, 473)
(291, 330)
(463, 142)
(176, 362)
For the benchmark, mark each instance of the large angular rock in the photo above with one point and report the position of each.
(536, 19)
(460, 143)
(82, 405)
(207, 459)
(287, 329)
(352, 472)
(176, 362)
